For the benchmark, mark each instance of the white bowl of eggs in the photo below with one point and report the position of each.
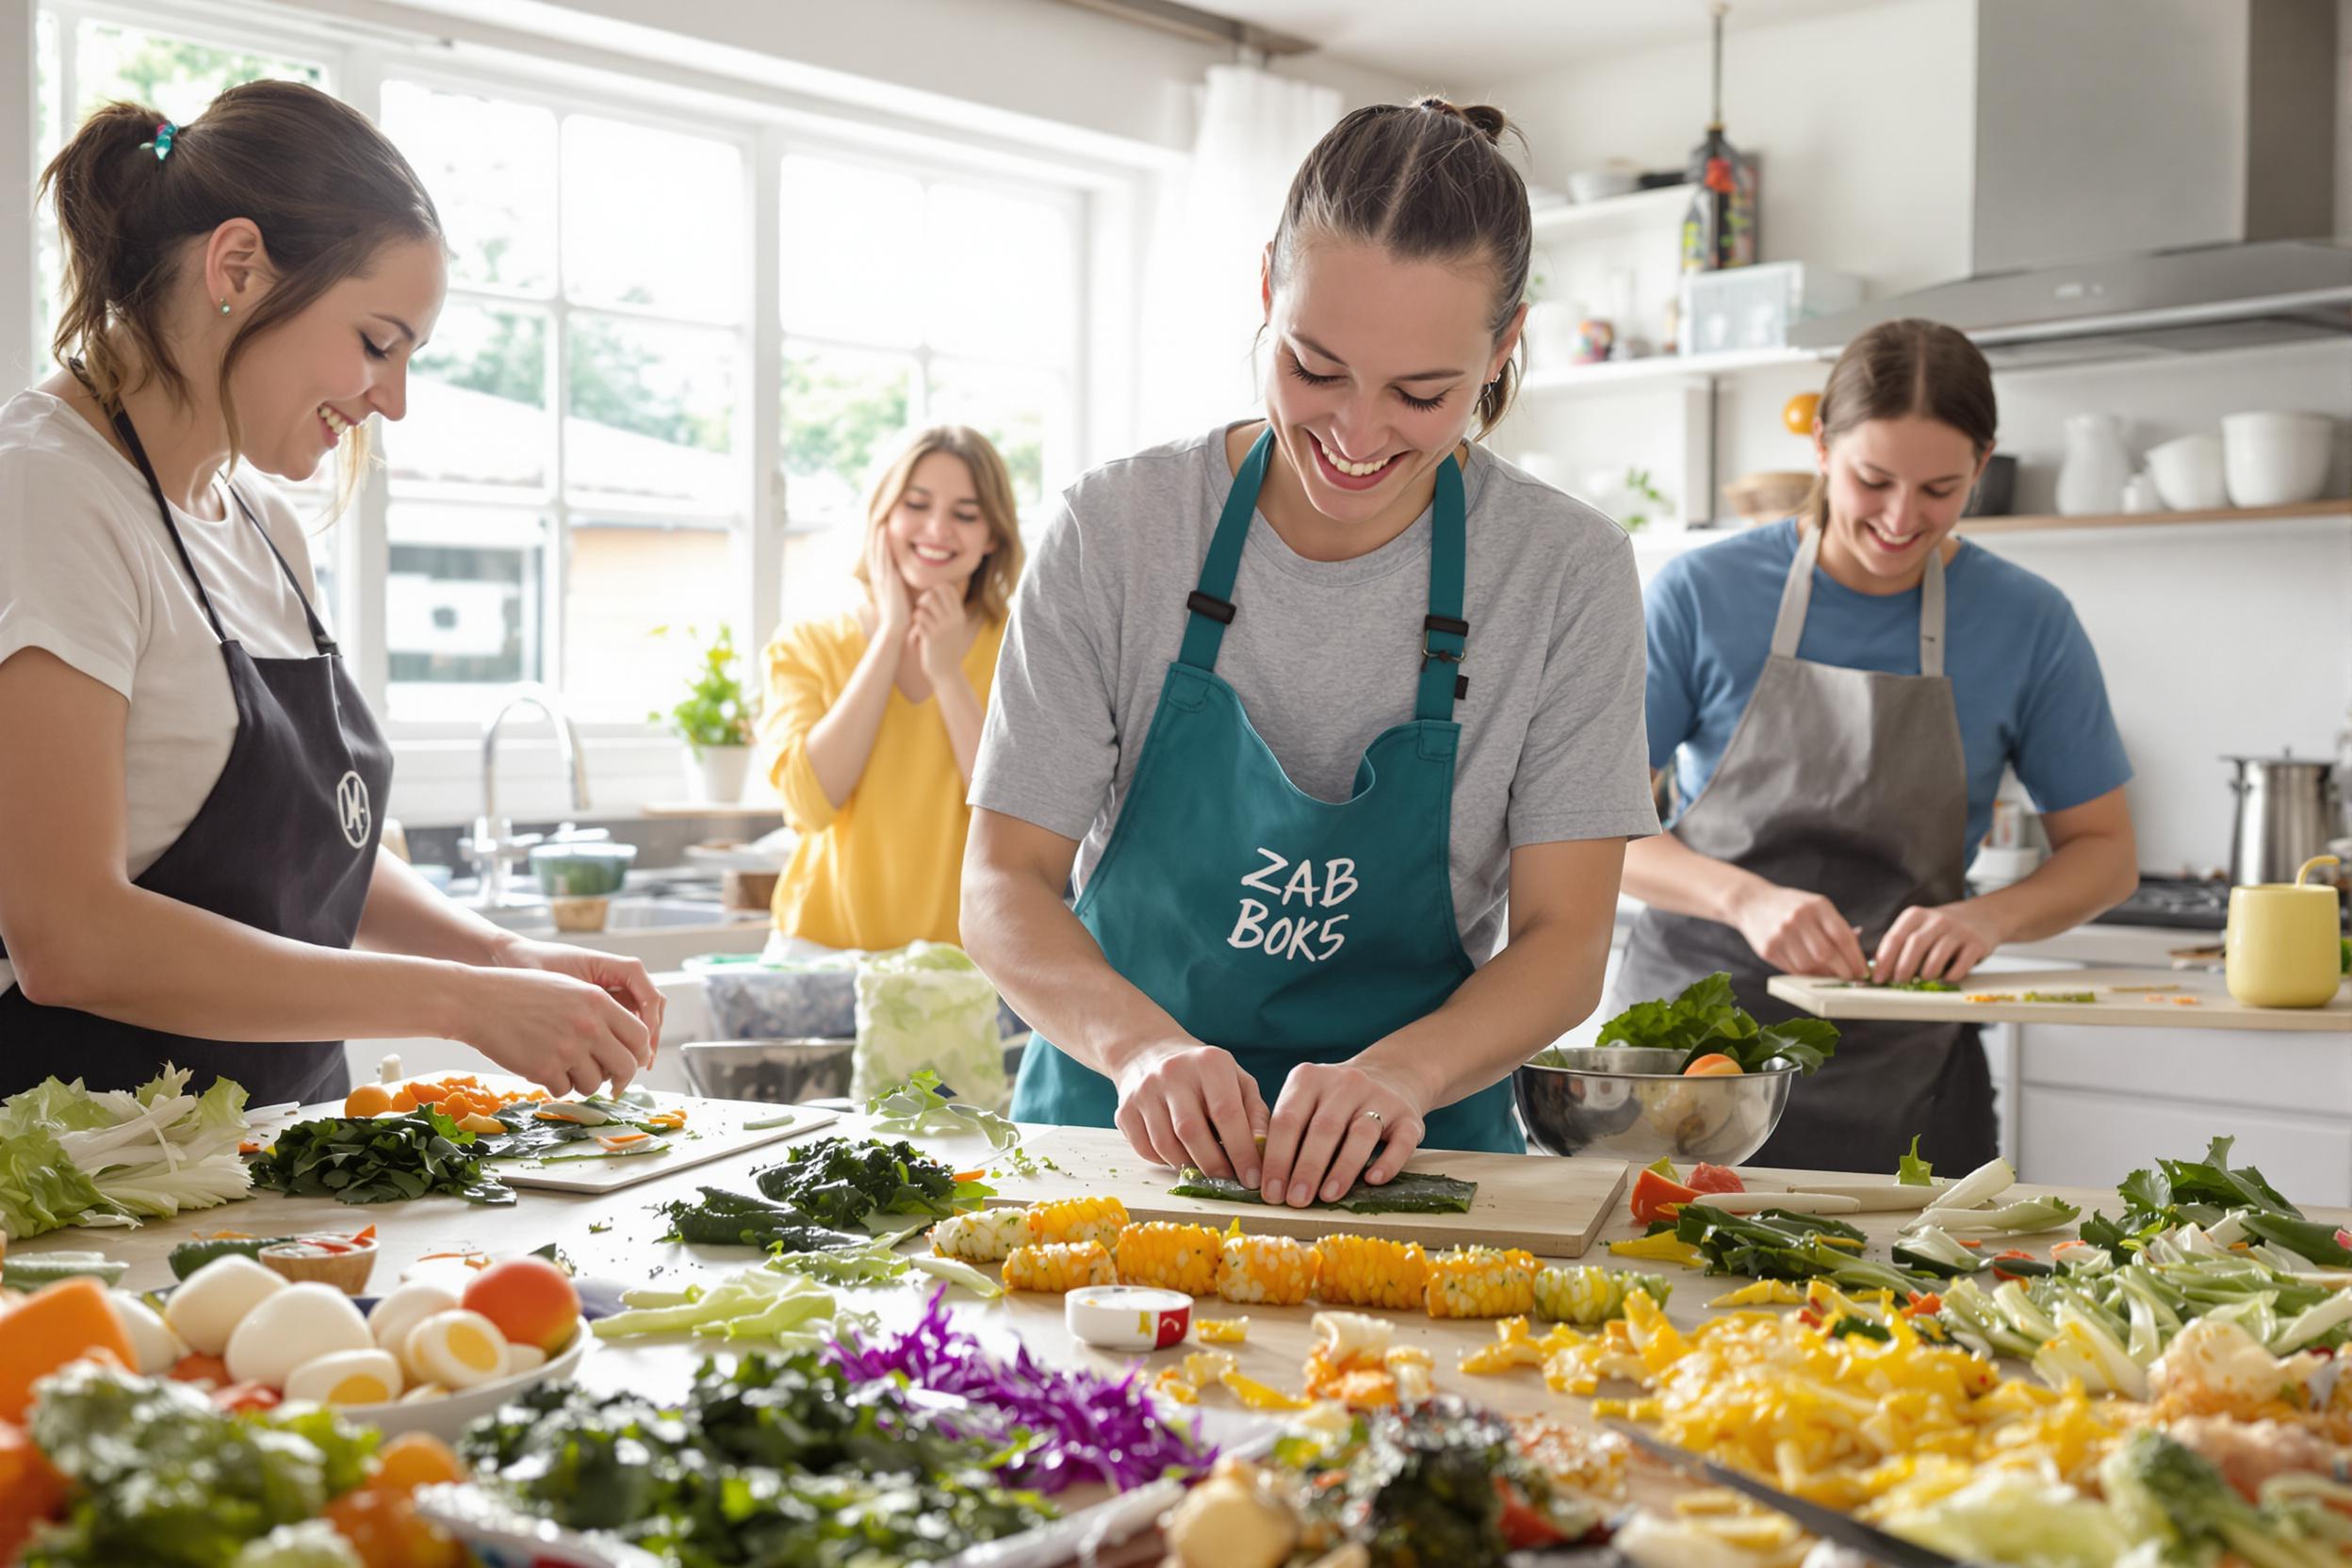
(428, 1357)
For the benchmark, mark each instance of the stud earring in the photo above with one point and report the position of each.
(224, 307)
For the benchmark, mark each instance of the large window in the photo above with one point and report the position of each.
(572, 473)
(909, 299)
(680, 335)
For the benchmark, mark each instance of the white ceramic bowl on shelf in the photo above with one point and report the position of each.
(2272, 459)
(2188, 472)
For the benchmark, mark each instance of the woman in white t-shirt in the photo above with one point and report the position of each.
(190, 801)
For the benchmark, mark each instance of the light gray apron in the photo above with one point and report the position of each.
(1852, 784)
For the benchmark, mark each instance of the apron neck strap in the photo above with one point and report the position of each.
(1445, 634)
(1796, 597)
(1211, 602)
(123, 427)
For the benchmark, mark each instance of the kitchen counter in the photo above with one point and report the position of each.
(616, 1236)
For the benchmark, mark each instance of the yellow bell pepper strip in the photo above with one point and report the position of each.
(1220, 1331)
(1513, 1347)
(1763, 1293)
(1257, 1395)
(1665, 1247)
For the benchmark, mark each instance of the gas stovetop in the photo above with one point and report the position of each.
(2181, 902)
(2177, 902)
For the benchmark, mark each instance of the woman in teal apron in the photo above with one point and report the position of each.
(1839, 755)
(1302, 702)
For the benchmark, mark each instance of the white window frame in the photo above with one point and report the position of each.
(556, 502)
(1112, 188)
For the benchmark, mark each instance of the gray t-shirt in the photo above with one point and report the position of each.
(1325, 655)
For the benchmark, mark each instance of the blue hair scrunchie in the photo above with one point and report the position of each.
(165, 131)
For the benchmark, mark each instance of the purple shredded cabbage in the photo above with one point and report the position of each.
(1063, 1425)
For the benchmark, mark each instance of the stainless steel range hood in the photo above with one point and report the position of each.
(2152, 177)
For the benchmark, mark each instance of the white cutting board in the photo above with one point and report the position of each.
(714, 1129)
(2138, 997)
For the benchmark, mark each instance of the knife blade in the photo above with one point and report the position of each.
(1827, 1523)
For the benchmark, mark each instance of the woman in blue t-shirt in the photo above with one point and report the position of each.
(1839, 754)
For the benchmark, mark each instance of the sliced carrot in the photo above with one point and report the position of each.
(57, 1324)
(31, 1491)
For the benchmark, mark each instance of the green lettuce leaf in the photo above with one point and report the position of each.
(41, 1189)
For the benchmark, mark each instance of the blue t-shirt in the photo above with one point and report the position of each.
(2024, 675)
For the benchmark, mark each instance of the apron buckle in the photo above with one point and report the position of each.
(1449, 625)
(1221, 610)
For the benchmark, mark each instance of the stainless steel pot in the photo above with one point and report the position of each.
(2287, 811)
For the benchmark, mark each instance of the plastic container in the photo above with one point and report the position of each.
(1753, 307)
(592, 870)
(806, 999)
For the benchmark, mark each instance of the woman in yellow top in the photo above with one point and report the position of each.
(873, 718)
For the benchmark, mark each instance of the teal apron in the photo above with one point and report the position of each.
(1283, 928)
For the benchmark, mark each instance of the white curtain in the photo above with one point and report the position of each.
(1202, 299)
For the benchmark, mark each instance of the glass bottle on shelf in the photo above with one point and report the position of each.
(1719, 228)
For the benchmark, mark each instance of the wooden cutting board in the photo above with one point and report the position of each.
(1552, 1207)
(2138, 997)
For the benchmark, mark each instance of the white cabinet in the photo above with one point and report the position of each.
(2096, 1104)
(2075, 1137)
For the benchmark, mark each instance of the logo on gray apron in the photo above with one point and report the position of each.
(350, 802)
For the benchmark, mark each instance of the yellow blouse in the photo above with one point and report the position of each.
(885, 866)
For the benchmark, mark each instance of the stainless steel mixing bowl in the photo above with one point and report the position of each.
(1632, 1102)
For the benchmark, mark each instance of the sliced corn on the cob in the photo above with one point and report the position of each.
(1171, 1256)
(1058, 1267)
(1588, 1296)
(1365, 1271)
(1481, 1282)
(1077, 1220)
(984, 1236)
(1274, 1269)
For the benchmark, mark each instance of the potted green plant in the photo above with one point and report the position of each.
(714, 718)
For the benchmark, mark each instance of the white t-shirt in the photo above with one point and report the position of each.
(88, 574)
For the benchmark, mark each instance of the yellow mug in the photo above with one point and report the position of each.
(2282, 948)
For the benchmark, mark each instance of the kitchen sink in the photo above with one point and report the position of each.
(626, 914)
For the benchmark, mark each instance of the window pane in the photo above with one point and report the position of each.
(624, 581)
(476, 403)
(1003, 286)
(1026, 413)
(651, 411)
(463, 602)
(842, 413)
(817, 568)
(853, 259)
(48, 137)
(491, 168)
(174, 76)
(652, 218)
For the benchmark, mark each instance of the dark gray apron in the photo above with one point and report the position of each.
(285, 842)
(1852, 784)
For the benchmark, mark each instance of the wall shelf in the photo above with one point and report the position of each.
(1635, 209)
(2055, 523)
(1659, 544)
(1661, 368)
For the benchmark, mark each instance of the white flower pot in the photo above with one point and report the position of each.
(715, 775)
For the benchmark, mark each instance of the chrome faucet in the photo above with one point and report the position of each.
(495, 846)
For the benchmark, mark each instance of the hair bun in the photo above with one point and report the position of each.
(1488, 121)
